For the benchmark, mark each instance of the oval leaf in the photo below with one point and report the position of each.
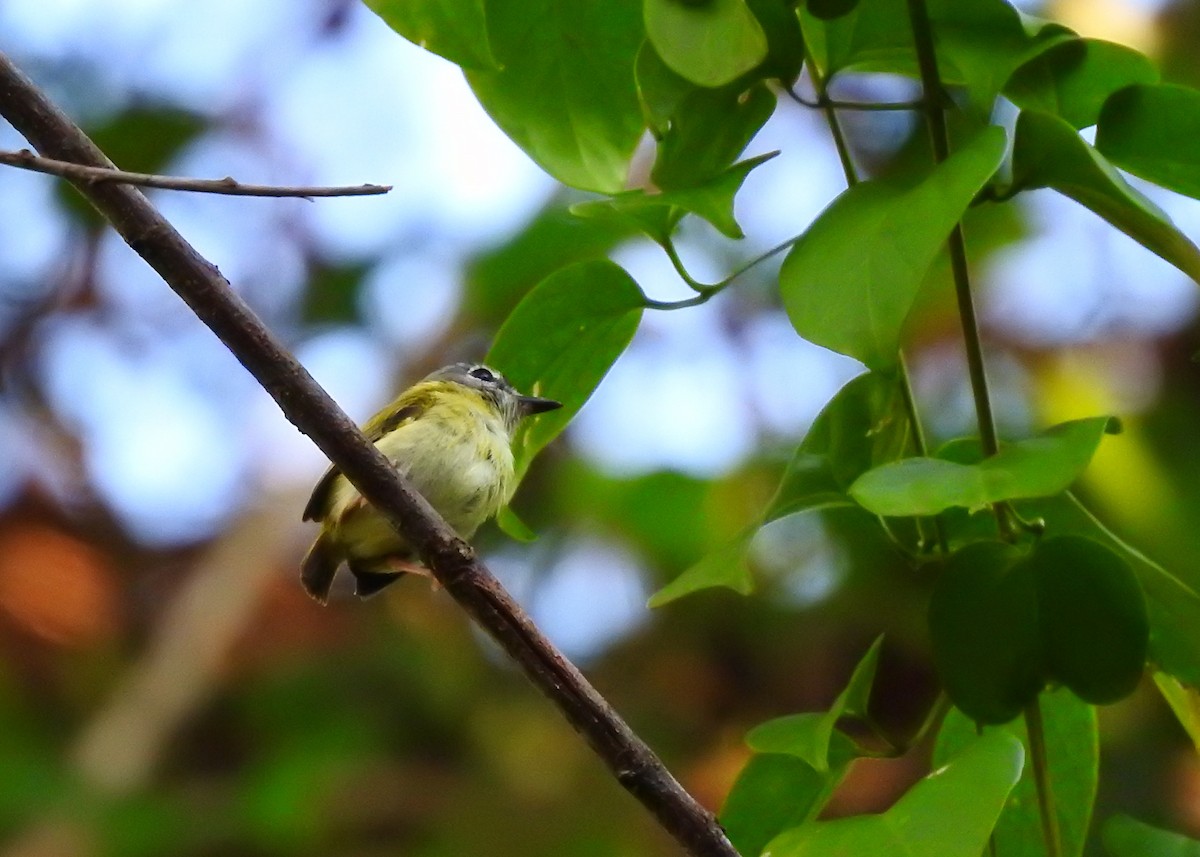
(580, 120)
(1048, 152)
(948, 814)
(1038, 467)
(561, 340)
(709, 43)
(453, 29)
(1073, 79)
(850, 281)
(983, 621)
(1154, 132)
(1093, 618)
(1127, 837)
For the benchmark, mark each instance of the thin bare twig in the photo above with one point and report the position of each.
(451, 560)
(27, 160)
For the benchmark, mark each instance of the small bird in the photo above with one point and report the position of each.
(450, 435)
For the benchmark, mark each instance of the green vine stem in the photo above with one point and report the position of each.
(706, 291)
(934, 97)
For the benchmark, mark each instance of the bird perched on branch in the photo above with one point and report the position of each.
(450, 435)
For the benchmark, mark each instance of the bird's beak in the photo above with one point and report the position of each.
(534, 405)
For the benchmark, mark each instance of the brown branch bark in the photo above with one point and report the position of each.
(27, 160)
(310, 408)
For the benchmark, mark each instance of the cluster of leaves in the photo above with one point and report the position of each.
(1038, 594)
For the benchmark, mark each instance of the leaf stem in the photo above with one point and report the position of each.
(866, 106)
(1041, 776)
(934, 99)
(706, 291)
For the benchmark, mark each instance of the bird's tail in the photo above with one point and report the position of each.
(318, 567)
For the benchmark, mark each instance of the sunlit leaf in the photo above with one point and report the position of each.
(562, 339)
(1037, 467)
(725, 567)
(1154, 132)
(512, 526)
(564, 90)
(950, 813)
(1072, 760)
(850, 281)
(1048, 152)
(454, 29)
(1073, 78)
(709, 129)
(656, 214)
(709, 43)
(1127, 837)
(808, 735)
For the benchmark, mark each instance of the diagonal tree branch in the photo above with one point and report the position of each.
(27, 160)
(310, 408)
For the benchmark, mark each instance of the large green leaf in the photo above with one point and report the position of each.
(808, 735)
(862, 425)
(850, 281)
(708, 130)
(454, 29)
(562, 339)
(979, 42)
(710, 43)
(1127, 837)
(564, 91)
(1073, 762)
(1184, 702)
(776, 792)
(1037, 467)
(1073, 79)
(1048, 152)
(950, 813)
(1154, 132)
(656, 214)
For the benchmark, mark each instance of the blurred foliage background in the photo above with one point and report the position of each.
(166, 687)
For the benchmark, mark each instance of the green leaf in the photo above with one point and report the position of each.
(454, 29)
(562, 339)
(564, 90)
(1127, 837)
(660, 90)
(710, 43)
(948, 814)
(807, 736)
(979, 42)
(708, 130)
(1184, 702)
(1073, 79)
(725, 567)
(1072, 759)
(1048, 152)
(863, 424)
(657, 214)
(1093, 617)
(1037, 467)
(850, 281)
(983, 620)
(512, 526)
(332, 294)
(777, 792)
(828, 9)
(785, 42)
(1154, 132)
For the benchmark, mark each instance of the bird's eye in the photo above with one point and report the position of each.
(483, 374)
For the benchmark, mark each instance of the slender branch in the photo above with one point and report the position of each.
(706, 291)
(934, 98)
(451, 560)
(1036, 730)
(27, 160)
(835, 126)
(868, 106)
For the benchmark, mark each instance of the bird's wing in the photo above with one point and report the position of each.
(389, 419)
